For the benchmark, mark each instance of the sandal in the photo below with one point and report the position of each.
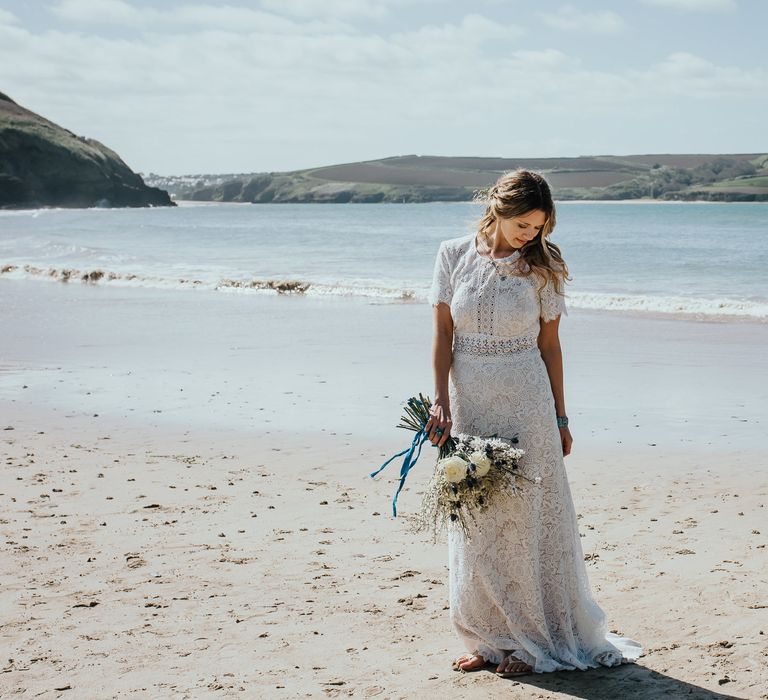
(512, 674)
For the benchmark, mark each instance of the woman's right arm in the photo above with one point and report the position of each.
(442, 358)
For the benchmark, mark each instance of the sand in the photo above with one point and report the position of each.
(187, 510)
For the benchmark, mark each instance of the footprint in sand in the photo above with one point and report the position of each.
(134, 560)
(406, 574)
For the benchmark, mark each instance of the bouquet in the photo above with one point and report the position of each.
(470, 470)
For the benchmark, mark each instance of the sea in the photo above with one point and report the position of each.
(700, 260)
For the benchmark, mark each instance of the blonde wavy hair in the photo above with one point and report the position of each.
(517, 193)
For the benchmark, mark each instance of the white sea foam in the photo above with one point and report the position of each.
(688, 305)
(684, 306)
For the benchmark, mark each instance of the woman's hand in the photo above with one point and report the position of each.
(566, 440)
(440, 419)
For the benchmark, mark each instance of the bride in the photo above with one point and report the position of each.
(518, 587)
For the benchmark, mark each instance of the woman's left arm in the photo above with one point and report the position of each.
(549, 347)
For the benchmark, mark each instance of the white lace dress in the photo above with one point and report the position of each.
(519, 584)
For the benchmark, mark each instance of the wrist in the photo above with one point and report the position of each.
(562, 421)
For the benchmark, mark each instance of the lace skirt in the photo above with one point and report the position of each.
(519, 583)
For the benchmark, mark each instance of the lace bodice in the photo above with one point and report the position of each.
(486, 302)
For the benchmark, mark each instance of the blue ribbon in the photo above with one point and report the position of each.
(408, 463)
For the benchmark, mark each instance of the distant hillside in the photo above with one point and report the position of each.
(729, 177)
(44, 165)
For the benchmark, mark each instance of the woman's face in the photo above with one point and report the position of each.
(518, 230)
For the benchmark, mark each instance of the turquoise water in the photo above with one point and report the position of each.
(704, 259)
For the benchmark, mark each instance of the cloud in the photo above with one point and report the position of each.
(368, 9)
(327, 8)
(695, 5)
(7, 17)
(210, 17)
(473, 34)
(275, 15)
(545, 59)
(685, 74)
(97, 11)
(570, 18)
(243, 19)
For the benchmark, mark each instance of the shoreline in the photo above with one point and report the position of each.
(292, 288)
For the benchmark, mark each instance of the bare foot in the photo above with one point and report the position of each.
(512, 665)
(469, 662)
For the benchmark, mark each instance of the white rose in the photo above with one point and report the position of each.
(454, 469)
(481, 462)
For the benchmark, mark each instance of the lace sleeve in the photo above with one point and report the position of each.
(442, 287)
(552, 304)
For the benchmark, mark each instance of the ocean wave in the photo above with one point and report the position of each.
(277, 286)
(678, 306)
(749, 309)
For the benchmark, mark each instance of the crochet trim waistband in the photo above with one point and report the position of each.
(475, 345)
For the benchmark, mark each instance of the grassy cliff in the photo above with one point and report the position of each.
(42, 164)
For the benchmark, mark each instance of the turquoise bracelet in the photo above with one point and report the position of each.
(562, 421)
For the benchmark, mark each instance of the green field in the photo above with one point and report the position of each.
(743, 182)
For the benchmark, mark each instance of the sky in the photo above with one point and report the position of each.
(273, 85)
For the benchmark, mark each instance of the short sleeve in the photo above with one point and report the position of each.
(552, 304)
(442, 287)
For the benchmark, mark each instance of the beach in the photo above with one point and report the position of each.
(187, 510)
